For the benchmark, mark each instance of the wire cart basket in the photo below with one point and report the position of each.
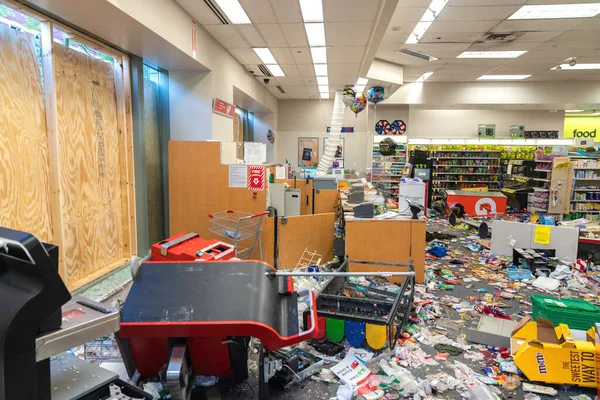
(238, 227)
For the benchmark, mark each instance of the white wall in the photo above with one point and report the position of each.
(262, 123)
(463, 123)
(189, 107)
(310, 118)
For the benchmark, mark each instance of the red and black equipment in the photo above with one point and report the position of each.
(199, 316)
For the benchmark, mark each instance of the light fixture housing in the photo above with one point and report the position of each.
(234, 11)
(319, 55)
(362, 81)
(324, 95)
(491, 54)
(424, 77)
(265, 55)
(320, 69)
(359, 88)
(312, 10)
(574, 111)
(557, 11)
(315, 32)
(275, 70)
(322, 81)
(430, 15)
(323, 88)
(567, 67)
(502, 77)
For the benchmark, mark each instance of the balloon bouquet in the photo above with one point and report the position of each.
(357, 103)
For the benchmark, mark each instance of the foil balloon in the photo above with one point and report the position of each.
(375, 95)
(348, 96)
(359, 104)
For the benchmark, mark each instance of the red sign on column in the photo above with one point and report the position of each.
(223, 108)
(256, 178)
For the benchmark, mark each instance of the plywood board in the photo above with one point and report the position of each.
(91, 165)
(326, 201)
(24, 187)
(395, 241)
(198, 186)
(156, 225)
(314, 233)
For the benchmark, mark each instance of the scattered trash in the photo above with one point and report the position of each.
(205, 381)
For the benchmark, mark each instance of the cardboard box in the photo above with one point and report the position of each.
(553, 355)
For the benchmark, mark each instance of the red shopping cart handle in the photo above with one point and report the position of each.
(259, 214)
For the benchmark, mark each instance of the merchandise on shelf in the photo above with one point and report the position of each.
(387, 169)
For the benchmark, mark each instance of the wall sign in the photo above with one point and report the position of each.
(487, 131)
(223, 108)
(256, 178)
(517, 131)
(345, 129)
(582, 128)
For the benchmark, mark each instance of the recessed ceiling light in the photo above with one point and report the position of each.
(424, 77)
(275, 70)
(502, 77)
(432, 12)
(319, 55)
(312, 10)
(490, 54)
(234, 11)
(567, 67)
(322, 80)
(553, 11)
(359, 88)
(320, 69)
(323, 88)
(315, 33)
(362, 81)
(265, 55)
(325, 95)
(574, 111)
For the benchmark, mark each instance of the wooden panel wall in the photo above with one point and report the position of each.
(311, 232)
(24, 189)
(326, 201)
(91, 172)
(199, 185)
(156, 225)
(395, 241)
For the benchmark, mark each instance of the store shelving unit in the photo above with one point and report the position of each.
(387, 170)
(585, 193)
(462, 169)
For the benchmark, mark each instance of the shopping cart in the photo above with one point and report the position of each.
(238, 227)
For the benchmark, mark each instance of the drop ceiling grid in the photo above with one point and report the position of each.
(278, 24)
(465, 24)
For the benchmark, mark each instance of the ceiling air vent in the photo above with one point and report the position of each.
(280, 89)
(501, 37)
(264, 70)
(217, 12)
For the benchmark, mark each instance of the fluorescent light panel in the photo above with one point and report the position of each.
(362, 81)
(574, 111)
(424, 77)
(502, 77)
(359, 88)
(491, 54)
(275, 70)
(322, 81)
(265, 55)
(315, 33)
(325, 95)
(320, 69)
(319, 55)
(323, 88)
(554, 11)
(234, 11)
(432, 12)
(312, 10)
(566, 67)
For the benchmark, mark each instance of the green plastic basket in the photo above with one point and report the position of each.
(577, 314)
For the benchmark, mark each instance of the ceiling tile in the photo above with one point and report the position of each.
(309, 81)
(259, 11)
(510, 46)
(459, 27)
(349, 54)
(407, 14)
(272, 35)
(252, 35)
(297, 96)
(287, 11)
(464, 37)
(414, 3)
(295, 34)
(536, 25)
(577, 36)
(348, 33)
(245, 56)
(290, 81)
(342, 69)
(343, 80)
(477, 61)
(350, 10)
(578, 45)
(290, 70)
(467, 3)
(588, 24)
(294, 89)
(302, 55)
(430, 48)
(306, 70)
(450, 14)
(227, 35)
(200, 12)
(537, 36)
(272, 81)
(283, 55)
(312, 89)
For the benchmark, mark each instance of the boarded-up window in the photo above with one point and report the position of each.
(24, 189)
